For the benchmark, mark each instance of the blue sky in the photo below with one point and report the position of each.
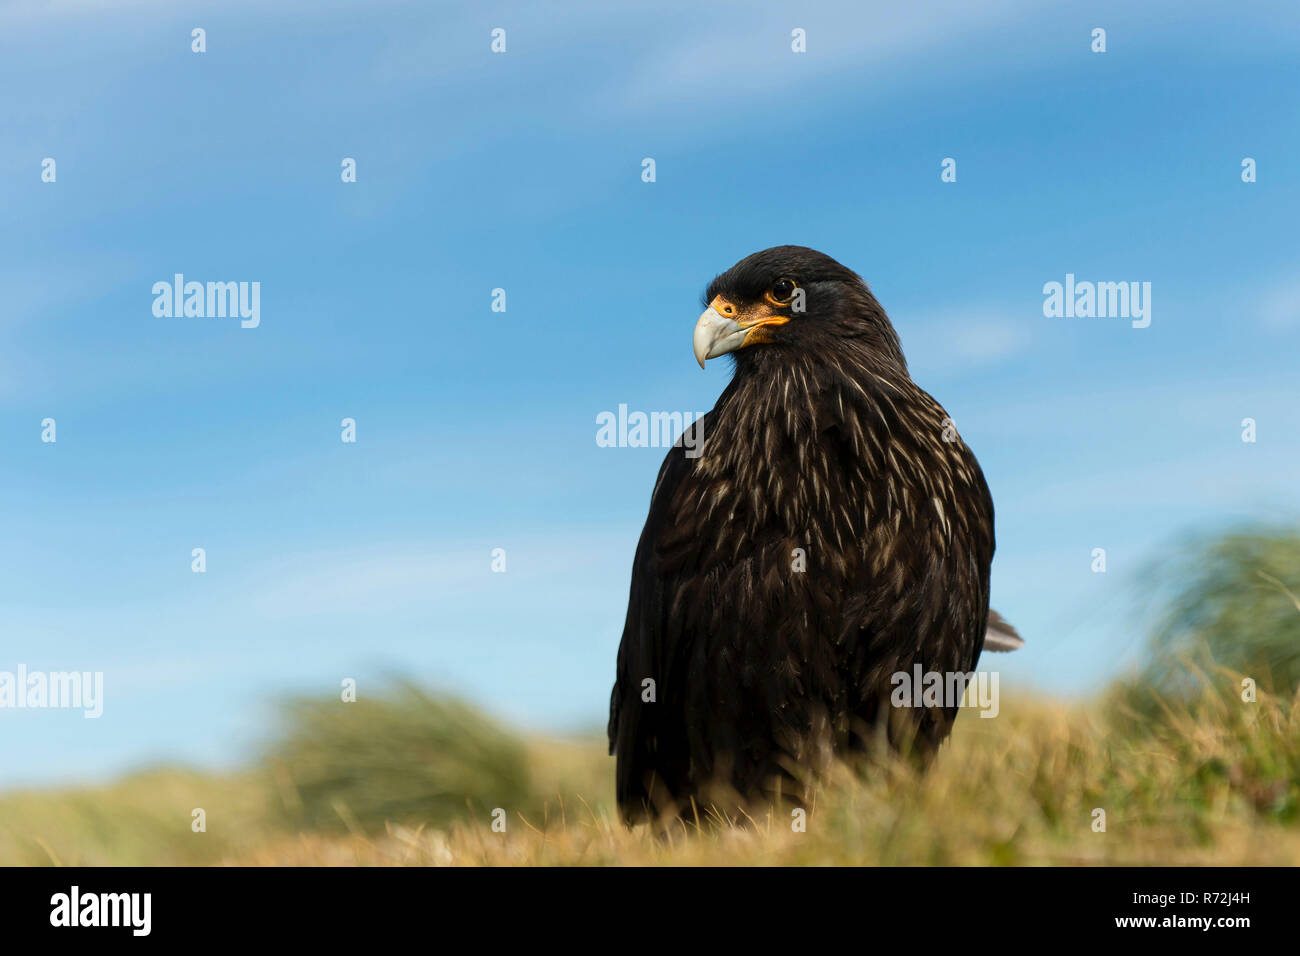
(476, 429)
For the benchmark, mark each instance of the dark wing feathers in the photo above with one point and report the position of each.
(638, 734)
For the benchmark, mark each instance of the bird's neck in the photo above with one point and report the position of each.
(780, 401)
(786, 439)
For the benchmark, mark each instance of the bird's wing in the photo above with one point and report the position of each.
(639, 731)
(1000, 635)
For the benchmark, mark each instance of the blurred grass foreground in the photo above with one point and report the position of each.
(1194, 760)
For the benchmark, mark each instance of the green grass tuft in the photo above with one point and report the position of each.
(402, 758)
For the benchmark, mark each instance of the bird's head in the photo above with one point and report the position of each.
(792, 299)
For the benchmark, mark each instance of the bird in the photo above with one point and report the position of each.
(824, 529)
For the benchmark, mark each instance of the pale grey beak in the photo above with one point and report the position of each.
(715, 335)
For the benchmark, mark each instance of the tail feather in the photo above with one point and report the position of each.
(1001, 636)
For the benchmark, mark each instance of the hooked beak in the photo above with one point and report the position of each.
(715, 335)
(723, 328)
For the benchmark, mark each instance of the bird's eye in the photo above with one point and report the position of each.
(783, 291)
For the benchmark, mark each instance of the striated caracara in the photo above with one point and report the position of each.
(833, 531)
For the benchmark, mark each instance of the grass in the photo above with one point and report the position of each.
(412, 780)
(1231, 597)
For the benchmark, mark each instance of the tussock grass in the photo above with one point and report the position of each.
(1231, 599)
(1199, 779)
(403, 758)
(1185, 770)
(143, 819)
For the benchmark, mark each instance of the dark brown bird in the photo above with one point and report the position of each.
(831, 531)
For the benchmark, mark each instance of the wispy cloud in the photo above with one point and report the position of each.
(721, 52)
(1280, 309)
(955, 341)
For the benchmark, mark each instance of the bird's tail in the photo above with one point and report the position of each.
(1001, 636)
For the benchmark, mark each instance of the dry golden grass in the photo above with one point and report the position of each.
(1212, 782)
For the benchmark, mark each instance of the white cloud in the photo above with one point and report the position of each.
(717, 53)
(389, 578)
(1280, 308)
(955, 341)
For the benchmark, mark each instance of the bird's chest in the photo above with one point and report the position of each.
(797, 497)
(807, 530)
